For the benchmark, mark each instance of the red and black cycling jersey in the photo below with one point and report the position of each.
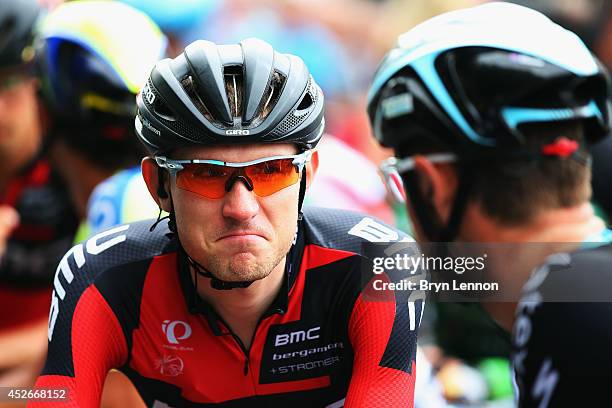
(48, 222)
(563, 332)
(124, 299)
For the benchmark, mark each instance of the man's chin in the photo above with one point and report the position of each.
(243, 275)
(243, 258)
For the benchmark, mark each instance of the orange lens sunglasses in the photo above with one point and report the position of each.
(213, 178)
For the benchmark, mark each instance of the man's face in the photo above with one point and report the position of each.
(239, 237)
(19, 121)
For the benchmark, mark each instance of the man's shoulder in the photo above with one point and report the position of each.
(112, 248)
(594, 258)
(567, 304)
(562, 331)
(347, 230)
(580, 276)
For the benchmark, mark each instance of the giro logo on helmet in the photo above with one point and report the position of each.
(237, 132)
(169, 329)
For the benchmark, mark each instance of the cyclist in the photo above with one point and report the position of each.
(490, 111)
(94, 56)
(37, 221)
(239, 298)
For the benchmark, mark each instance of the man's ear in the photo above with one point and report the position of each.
(160, 193)
(311, 168)
(438, 184)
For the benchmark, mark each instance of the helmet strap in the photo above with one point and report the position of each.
(302, 193)
(158, 220)
(429, 220)
(425, 213)
(450, 232)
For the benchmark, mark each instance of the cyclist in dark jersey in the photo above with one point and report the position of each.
(93, 58)
(37, 222)
(490, 111)
(239, 299)
(561, 341)
(75, 68)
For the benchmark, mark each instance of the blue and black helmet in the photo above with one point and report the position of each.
(93, 57)
(469, 79)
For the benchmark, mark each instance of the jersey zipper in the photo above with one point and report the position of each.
(237, 339)
(246, 351)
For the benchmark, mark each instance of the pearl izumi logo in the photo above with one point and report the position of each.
(171, 330)
(233, 132)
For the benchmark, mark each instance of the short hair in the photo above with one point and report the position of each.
(514, 192)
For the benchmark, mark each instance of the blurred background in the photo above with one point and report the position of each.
(463, 359)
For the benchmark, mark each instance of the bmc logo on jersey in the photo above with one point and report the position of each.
(170, 329)
(297, 336)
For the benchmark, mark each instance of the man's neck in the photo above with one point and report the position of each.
(242, 308)
(573, 224)
(557, 230)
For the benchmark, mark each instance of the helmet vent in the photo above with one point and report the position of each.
(313, 90)
(271, 96)
(234, 88)
(194, 96)
(305, 103)
(162, 110)
(293, 120)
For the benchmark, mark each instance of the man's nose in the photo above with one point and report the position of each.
(240, 203)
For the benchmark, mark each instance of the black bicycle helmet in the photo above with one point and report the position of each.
(470, 78)
(17, 22)
(224, 94)
(466, 81)
(93, 58)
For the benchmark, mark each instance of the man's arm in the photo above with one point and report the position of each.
(92, 346)
(383, 332)
(85, 337)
